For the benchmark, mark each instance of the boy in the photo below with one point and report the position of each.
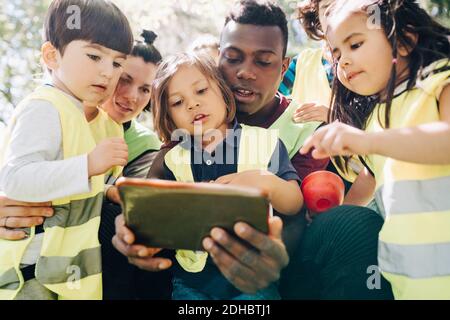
(51, 154)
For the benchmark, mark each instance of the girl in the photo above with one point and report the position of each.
(392, 104)
(191, 100)
(313, 88)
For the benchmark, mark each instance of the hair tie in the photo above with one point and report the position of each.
(149, 36)
(394, 61)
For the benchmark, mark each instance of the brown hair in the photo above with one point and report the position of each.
(100, 21)
(308, 14)
(162, 121)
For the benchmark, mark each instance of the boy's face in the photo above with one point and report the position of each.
(88, 71)
(252, 63)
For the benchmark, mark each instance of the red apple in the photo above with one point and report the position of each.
(322, 191)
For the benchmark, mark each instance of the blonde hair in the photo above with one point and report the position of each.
(163, 123)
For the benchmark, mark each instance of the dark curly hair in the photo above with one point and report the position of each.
(308, 14)
(147, 51)
(260, 13)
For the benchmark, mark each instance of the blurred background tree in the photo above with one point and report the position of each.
(177, 23)
(20, 41)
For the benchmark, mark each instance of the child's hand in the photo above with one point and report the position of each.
(311, 112)
(251, 178)
(107, 154)
(338, 139)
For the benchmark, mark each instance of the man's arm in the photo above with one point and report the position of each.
(16, 214)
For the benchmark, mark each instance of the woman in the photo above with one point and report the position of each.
(131, 97)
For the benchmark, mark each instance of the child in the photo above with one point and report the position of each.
(52, 155)
(313, 88)
(191, 100)
(402, 64)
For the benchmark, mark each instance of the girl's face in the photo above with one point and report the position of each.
(132, 94)
(363, 54)
(194, 99)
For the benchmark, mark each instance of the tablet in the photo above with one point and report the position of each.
(176, 215)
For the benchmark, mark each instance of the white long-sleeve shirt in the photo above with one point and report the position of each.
(34, 169)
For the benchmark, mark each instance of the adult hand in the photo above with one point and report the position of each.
(139, 255)
(113, 194)
(251, 266)
(17, 214)
(311, 112)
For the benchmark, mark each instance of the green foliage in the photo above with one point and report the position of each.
(20, 26)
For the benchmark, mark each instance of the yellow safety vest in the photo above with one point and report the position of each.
(311, 81)
(310, 85)
(70, 259)
(256, 148)
(414, 243)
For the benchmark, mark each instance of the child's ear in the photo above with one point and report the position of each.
(49, 55)
(405, 49)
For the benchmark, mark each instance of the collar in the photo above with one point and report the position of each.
(75, 101)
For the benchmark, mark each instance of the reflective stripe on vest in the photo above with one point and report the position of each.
(414, 247)
(256, 147)
(70, 258)
(425, 198)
